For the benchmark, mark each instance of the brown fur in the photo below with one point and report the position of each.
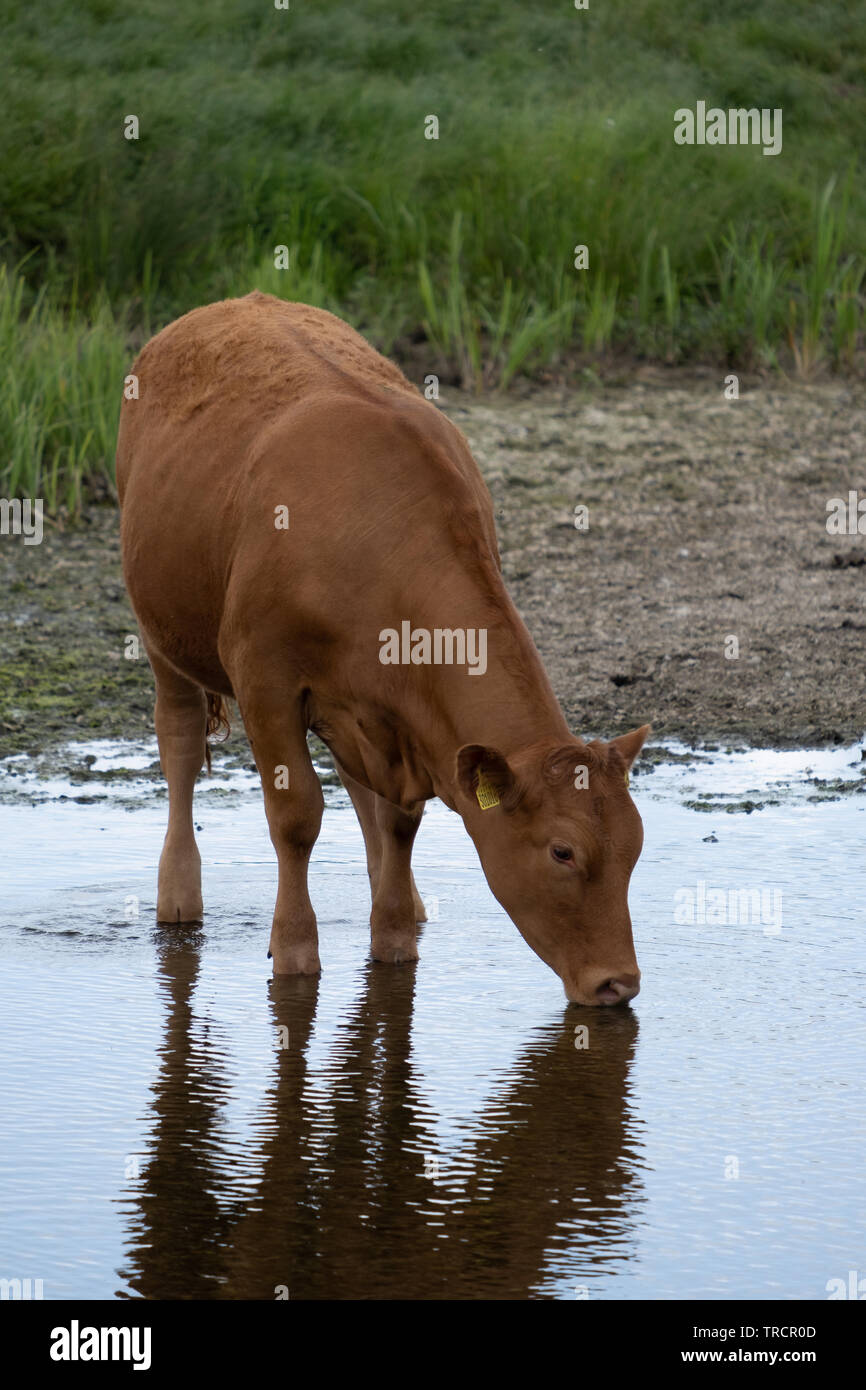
(253, 405)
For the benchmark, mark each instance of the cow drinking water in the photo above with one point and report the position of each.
(303, 532)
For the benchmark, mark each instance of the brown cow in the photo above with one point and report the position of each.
(303, 532)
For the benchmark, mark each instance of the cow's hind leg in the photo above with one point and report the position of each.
(180, 716)
(389, 835)
(276, 727)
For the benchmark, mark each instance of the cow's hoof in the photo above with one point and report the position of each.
(297, 961)
(178, 911)
(395, 953)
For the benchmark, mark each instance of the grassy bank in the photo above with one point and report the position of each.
(305, 128)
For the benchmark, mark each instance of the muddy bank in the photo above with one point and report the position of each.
(705, 522)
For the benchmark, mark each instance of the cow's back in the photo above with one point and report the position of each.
(249, 403)
(240, 362)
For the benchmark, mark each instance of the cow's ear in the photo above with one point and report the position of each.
(629, 745)
(484, 775)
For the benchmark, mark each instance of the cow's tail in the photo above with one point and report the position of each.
(218, 725)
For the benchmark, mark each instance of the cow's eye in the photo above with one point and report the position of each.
(562, 854)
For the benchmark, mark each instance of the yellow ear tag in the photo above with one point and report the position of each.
(486, 792)
(626, 776)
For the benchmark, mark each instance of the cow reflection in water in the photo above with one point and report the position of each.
(335, 1199)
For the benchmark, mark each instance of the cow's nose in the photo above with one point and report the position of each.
(618, 989)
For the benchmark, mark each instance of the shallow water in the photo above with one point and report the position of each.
(178, 1125)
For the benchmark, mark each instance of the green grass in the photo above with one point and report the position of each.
(60, 393)
(305, 128)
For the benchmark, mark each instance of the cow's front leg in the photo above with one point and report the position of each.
(397, 907)
(389, 834)
(294, 805)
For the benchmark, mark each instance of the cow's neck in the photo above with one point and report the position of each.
(509, 707)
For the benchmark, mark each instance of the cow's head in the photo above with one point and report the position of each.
(558, 836)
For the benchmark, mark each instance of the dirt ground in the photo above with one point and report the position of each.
(706, 521)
